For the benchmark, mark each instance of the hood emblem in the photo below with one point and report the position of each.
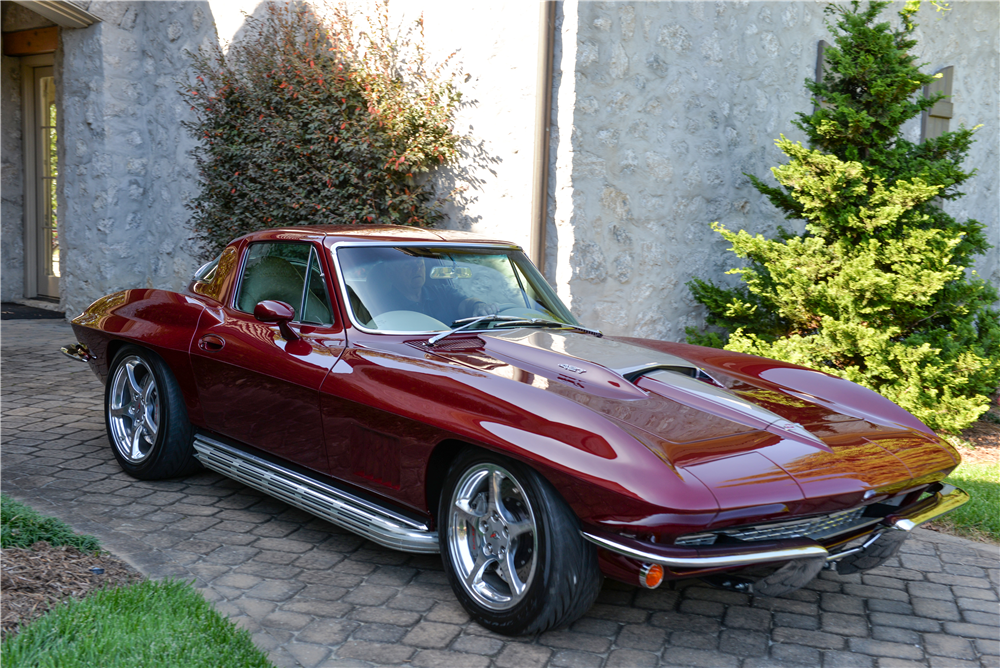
(573, 369)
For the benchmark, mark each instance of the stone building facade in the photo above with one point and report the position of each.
(661, 107)
(657, 110)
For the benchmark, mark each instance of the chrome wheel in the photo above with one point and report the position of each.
(133, 409)
(492, 537)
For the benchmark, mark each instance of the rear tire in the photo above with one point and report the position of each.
(146, 419)
(512, 548)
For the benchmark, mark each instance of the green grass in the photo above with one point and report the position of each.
(161, 624)
(21, 526)
(980, 517)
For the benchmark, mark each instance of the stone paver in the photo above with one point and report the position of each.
(313, 594)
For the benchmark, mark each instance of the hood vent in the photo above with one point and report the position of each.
(707, 397)
(452, 345)
(689, 371)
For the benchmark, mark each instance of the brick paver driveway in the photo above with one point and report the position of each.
(313, 594)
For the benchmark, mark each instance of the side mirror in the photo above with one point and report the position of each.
(271, 311)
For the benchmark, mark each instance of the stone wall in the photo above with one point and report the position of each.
(968, 37)
(658, 110)
(126, 169)
(11, 183)
(662, 107)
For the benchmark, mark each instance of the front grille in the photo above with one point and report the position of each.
(816, 528)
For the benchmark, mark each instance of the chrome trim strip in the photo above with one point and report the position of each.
(868, 543)
(945, 501)
(713, 561)
(376, 523)
(78, 352)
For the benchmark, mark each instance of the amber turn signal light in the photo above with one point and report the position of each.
(651, 575)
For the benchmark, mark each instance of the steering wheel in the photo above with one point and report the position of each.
(408, 321)
(521, 312)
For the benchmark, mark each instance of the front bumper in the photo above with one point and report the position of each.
(731, 556)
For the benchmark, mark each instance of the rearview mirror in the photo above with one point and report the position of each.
(451, 272)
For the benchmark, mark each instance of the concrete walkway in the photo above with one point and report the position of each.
(315, 595)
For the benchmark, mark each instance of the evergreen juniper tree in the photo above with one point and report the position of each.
(877, 289)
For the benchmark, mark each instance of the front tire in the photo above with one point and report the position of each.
(512, 549)
(146, 419)
(876, 554)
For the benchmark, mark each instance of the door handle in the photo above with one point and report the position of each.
(211, 343)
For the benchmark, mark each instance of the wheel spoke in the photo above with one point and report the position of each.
(148, 390)
(466, 512)
(118, 412)
(520, 528)
(136, 438)
(510, 576)
(148, 424)
(475, 577)
(134, 388)
(495, 494)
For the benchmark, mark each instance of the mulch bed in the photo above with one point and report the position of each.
(984, 435)
(32, 581)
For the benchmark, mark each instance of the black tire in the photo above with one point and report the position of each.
(876, 554)
(146, 419)
(556, 578)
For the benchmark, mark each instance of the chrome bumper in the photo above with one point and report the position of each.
(78, 352)
(735, 556)
(945, 501)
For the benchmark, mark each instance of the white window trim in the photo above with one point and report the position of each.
(30, 153)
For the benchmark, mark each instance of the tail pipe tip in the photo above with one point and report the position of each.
(78, 352)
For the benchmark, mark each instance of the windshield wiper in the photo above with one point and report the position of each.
(511, 320)
(469, 322)
(542, 322)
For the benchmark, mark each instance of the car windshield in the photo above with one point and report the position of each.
(422, 289)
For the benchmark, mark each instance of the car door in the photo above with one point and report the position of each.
(255, 385)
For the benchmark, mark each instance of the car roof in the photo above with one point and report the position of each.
(376, 234)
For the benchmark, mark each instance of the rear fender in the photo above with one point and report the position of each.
(159, 320)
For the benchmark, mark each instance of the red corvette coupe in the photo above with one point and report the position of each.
(428, 390)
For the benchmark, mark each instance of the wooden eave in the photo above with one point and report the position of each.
(32, 42)
(63, 14)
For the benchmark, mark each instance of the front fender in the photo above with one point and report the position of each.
(608, 476)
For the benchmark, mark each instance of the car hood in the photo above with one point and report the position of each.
(767, 425)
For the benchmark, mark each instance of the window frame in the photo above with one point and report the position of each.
(314, 249)
(442, 246)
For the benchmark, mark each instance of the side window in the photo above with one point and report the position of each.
(210, 280)
(279, 271)
(316, 303)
